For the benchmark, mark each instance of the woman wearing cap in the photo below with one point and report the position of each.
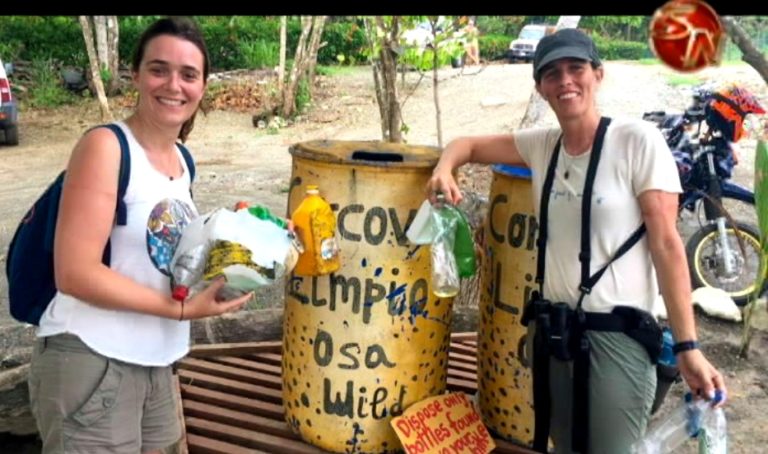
(636, 182)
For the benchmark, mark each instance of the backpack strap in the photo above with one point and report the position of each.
(188, 159)
(190, 164)
(124, 176)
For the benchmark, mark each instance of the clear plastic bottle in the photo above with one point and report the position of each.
(316, 226)
(445, 274)
(684, 423)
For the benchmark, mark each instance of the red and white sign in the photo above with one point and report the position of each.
(687, 35)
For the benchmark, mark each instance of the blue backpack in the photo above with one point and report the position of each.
(29, 264)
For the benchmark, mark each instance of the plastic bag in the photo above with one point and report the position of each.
(248, 251)
(428, 225)
(693, 419)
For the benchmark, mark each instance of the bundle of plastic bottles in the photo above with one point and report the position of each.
(249, 247)
(693, 419)
(445, 228)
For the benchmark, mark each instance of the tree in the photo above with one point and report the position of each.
(304, 60)
(281, 66)
(751, 54)
(383, 35)
(106, 32)
(85, 23)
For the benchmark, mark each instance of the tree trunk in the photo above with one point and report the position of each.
(106, 114)
(281, 66)
(289, 95)
(751, 54)
(314, 46)
(388, 57)
(102, 47)
(435, 93)
(113, 62)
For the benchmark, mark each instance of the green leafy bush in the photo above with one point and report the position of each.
(260, 54)
(611, 49)
(342, 38)
(47, 91)
(493, 47)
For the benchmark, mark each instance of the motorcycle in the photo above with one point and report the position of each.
(723, 252)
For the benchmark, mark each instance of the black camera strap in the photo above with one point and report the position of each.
(542, 399)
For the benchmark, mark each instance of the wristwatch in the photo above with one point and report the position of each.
(685, 346)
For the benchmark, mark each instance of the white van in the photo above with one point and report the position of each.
(524, 46)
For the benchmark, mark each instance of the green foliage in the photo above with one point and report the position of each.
(327, 70)
(500, 25)
(47, 91)
(424, 60)
(628, 28)
(303, 95)
(342, 38)
(106, 76)
(610, 49)
(679, 80)
(494, 46)
(761, 204)
(260, 54)
(43, 37)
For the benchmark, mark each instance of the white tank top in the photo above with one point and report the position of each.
(157, 208)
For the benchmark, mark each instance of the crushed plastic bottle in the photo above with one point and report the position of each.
(316, 227)
(694, 419)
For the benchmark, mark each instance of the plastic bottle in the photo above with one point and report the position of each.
(445, 274)
(316, 226)
(684, 423)
(464, 246)
(187, 271)
(666, 369)
(262, 213)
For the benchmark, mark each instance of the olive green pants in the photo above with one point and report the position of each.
(87, 403)
(622, 386)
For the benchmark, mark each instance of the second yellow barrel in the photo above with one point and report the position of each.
(509, 267)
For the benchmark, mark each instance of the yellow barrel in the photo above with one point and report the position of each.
(363, 343)
(505, 387)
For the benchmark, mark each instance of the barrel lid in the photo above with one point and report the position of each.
(512, 171)
(367, 153)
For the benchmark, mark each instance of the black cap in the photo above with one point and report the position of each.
(565, 43)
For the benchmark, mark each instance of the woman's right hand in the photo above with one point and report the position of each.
(443, 182)
(204, 303)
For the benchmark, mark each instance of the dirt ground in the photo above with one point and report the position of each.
(236, 161)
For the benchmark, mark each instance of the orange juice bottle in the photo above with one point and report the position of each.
(315, 224)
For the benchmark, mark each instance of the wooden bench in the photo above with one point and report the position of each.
(232, 400)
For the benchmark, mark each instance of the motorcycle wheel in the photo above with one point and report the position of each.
(705, 260)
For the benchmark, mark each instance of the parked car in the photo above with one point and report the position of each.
(524, 46)
(9, 113)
